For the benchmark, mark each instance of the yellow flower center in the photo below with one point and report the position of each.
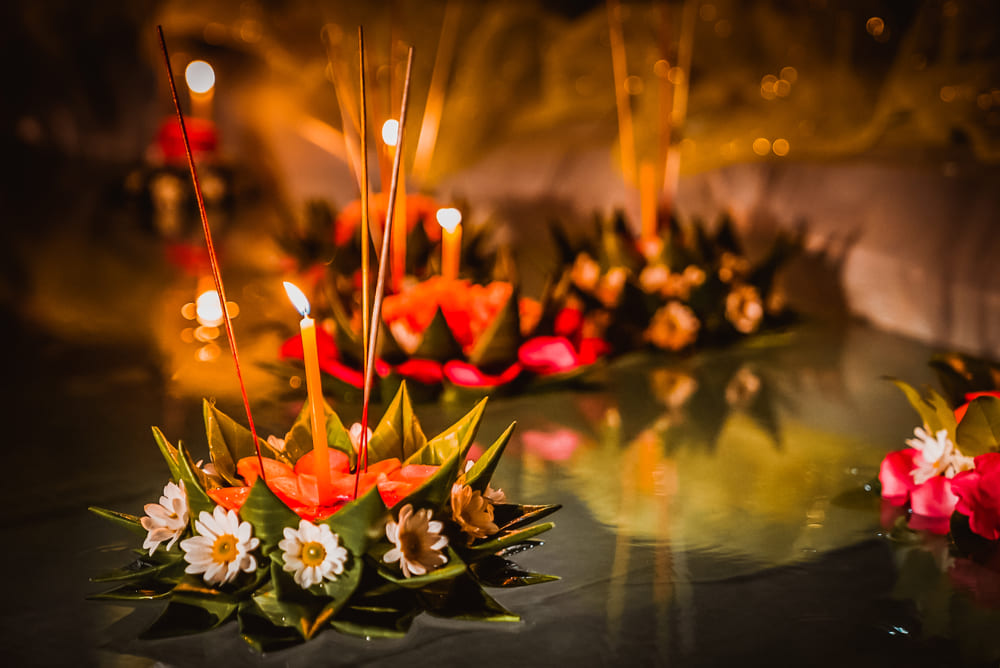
(224, 549)
(313, 554)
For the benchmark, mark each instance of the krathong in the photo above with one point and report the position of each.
(456, 335)
(683, 287)
(947, 477)
(426, 532)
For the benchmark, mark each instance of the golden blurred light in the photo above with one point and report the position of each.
(208, 307)
(189, 311)
(187, 335)
(780, 147)
(206, 333)
(661, 68)
(675, 75)
(449, 218)
(251, 31)
(295, 382)
(948, 93)
(299, 299)
(200, 76)
(687, 145)
(789, 74)
(761, 146)
(633, 85)
(390, 132)
(723, 28)
(767, 86)
(707, 12)
(782, 88)
(875, 26)
(207, 353)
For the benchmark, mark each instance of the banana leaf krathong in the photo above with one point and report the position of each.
(690, 286)
(425, 533)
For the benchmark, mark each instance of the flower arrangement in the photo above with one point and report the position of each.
(455, 335)
(425, 532)
(949, 474)
(686, 287)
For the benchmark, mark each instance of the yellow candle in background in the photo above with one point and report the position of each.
(200, 78)
(647, 201)
(450, 220)
(314, 387)
(390, 136)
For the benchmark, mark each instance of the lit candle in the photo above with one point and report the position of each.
(314, 388)
(200, 79)
(450, 220)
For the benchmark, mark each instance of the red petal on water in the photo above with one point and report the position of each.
(467, 375)
(548, 354)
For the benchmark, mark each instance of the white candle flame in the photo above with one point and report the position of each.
(449, 218)
(200, 76)
(299, 300)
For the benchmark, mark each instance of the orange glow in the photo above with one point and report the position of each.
(208, 307)
(761, 146)
(780, 147)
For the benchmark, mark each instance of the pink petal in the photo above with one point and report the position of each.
(423, 371)
(555, 446)
(342, 372)
(894, 474)
(548, 354)
(467, 375)
(936, 525)
(934, 498)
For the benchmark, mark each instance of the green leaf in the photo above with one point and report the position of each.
(438, 342)
(229, 442)
(979, 431)
(479, 476)
(435, 492)
(356, 519)
(260, 633)
(183, 617)
(466, 600)
(169, 453)
(145, 591)
(268, 515)
(497, 346)
(398, 433)
(140, 569)
(298, 440)
(130, 522)
(454, 567)
(934, 410)
(456, 438)
(512, 516)
(494, 571)
(198, 500)
(380, 622)
(502, 540)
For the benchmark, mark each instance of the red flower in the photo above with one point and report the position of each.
(201, 135)
(930, 500)
(467, 375)
(961, 410)
(979, 495)
(418, 208)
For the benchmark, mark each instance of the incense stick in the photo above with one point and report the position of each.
(216, 273)
(380, 279)
(626, 134)
(365, 231)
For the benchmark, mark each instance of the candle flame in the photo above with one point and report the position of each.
(208, 308)
(449, 218)
(390, 132)
(200, 76)
(299, 300)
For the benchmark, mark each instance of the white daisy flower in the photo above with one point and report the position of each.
(355, 433)
(167, 519)
(938, 456)
(312, 553)
(222, 547)
(418, 542)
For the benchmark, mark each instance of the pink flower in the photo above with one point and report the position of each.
(468, 375)
(979, 495)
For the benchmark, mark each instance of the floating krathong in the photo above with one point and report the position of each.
(425, 533)
(682, 288)
(457, 335)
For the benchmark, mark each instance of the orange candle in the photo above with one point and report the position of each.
(647, 200)
(450, 220)
(314, 387)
